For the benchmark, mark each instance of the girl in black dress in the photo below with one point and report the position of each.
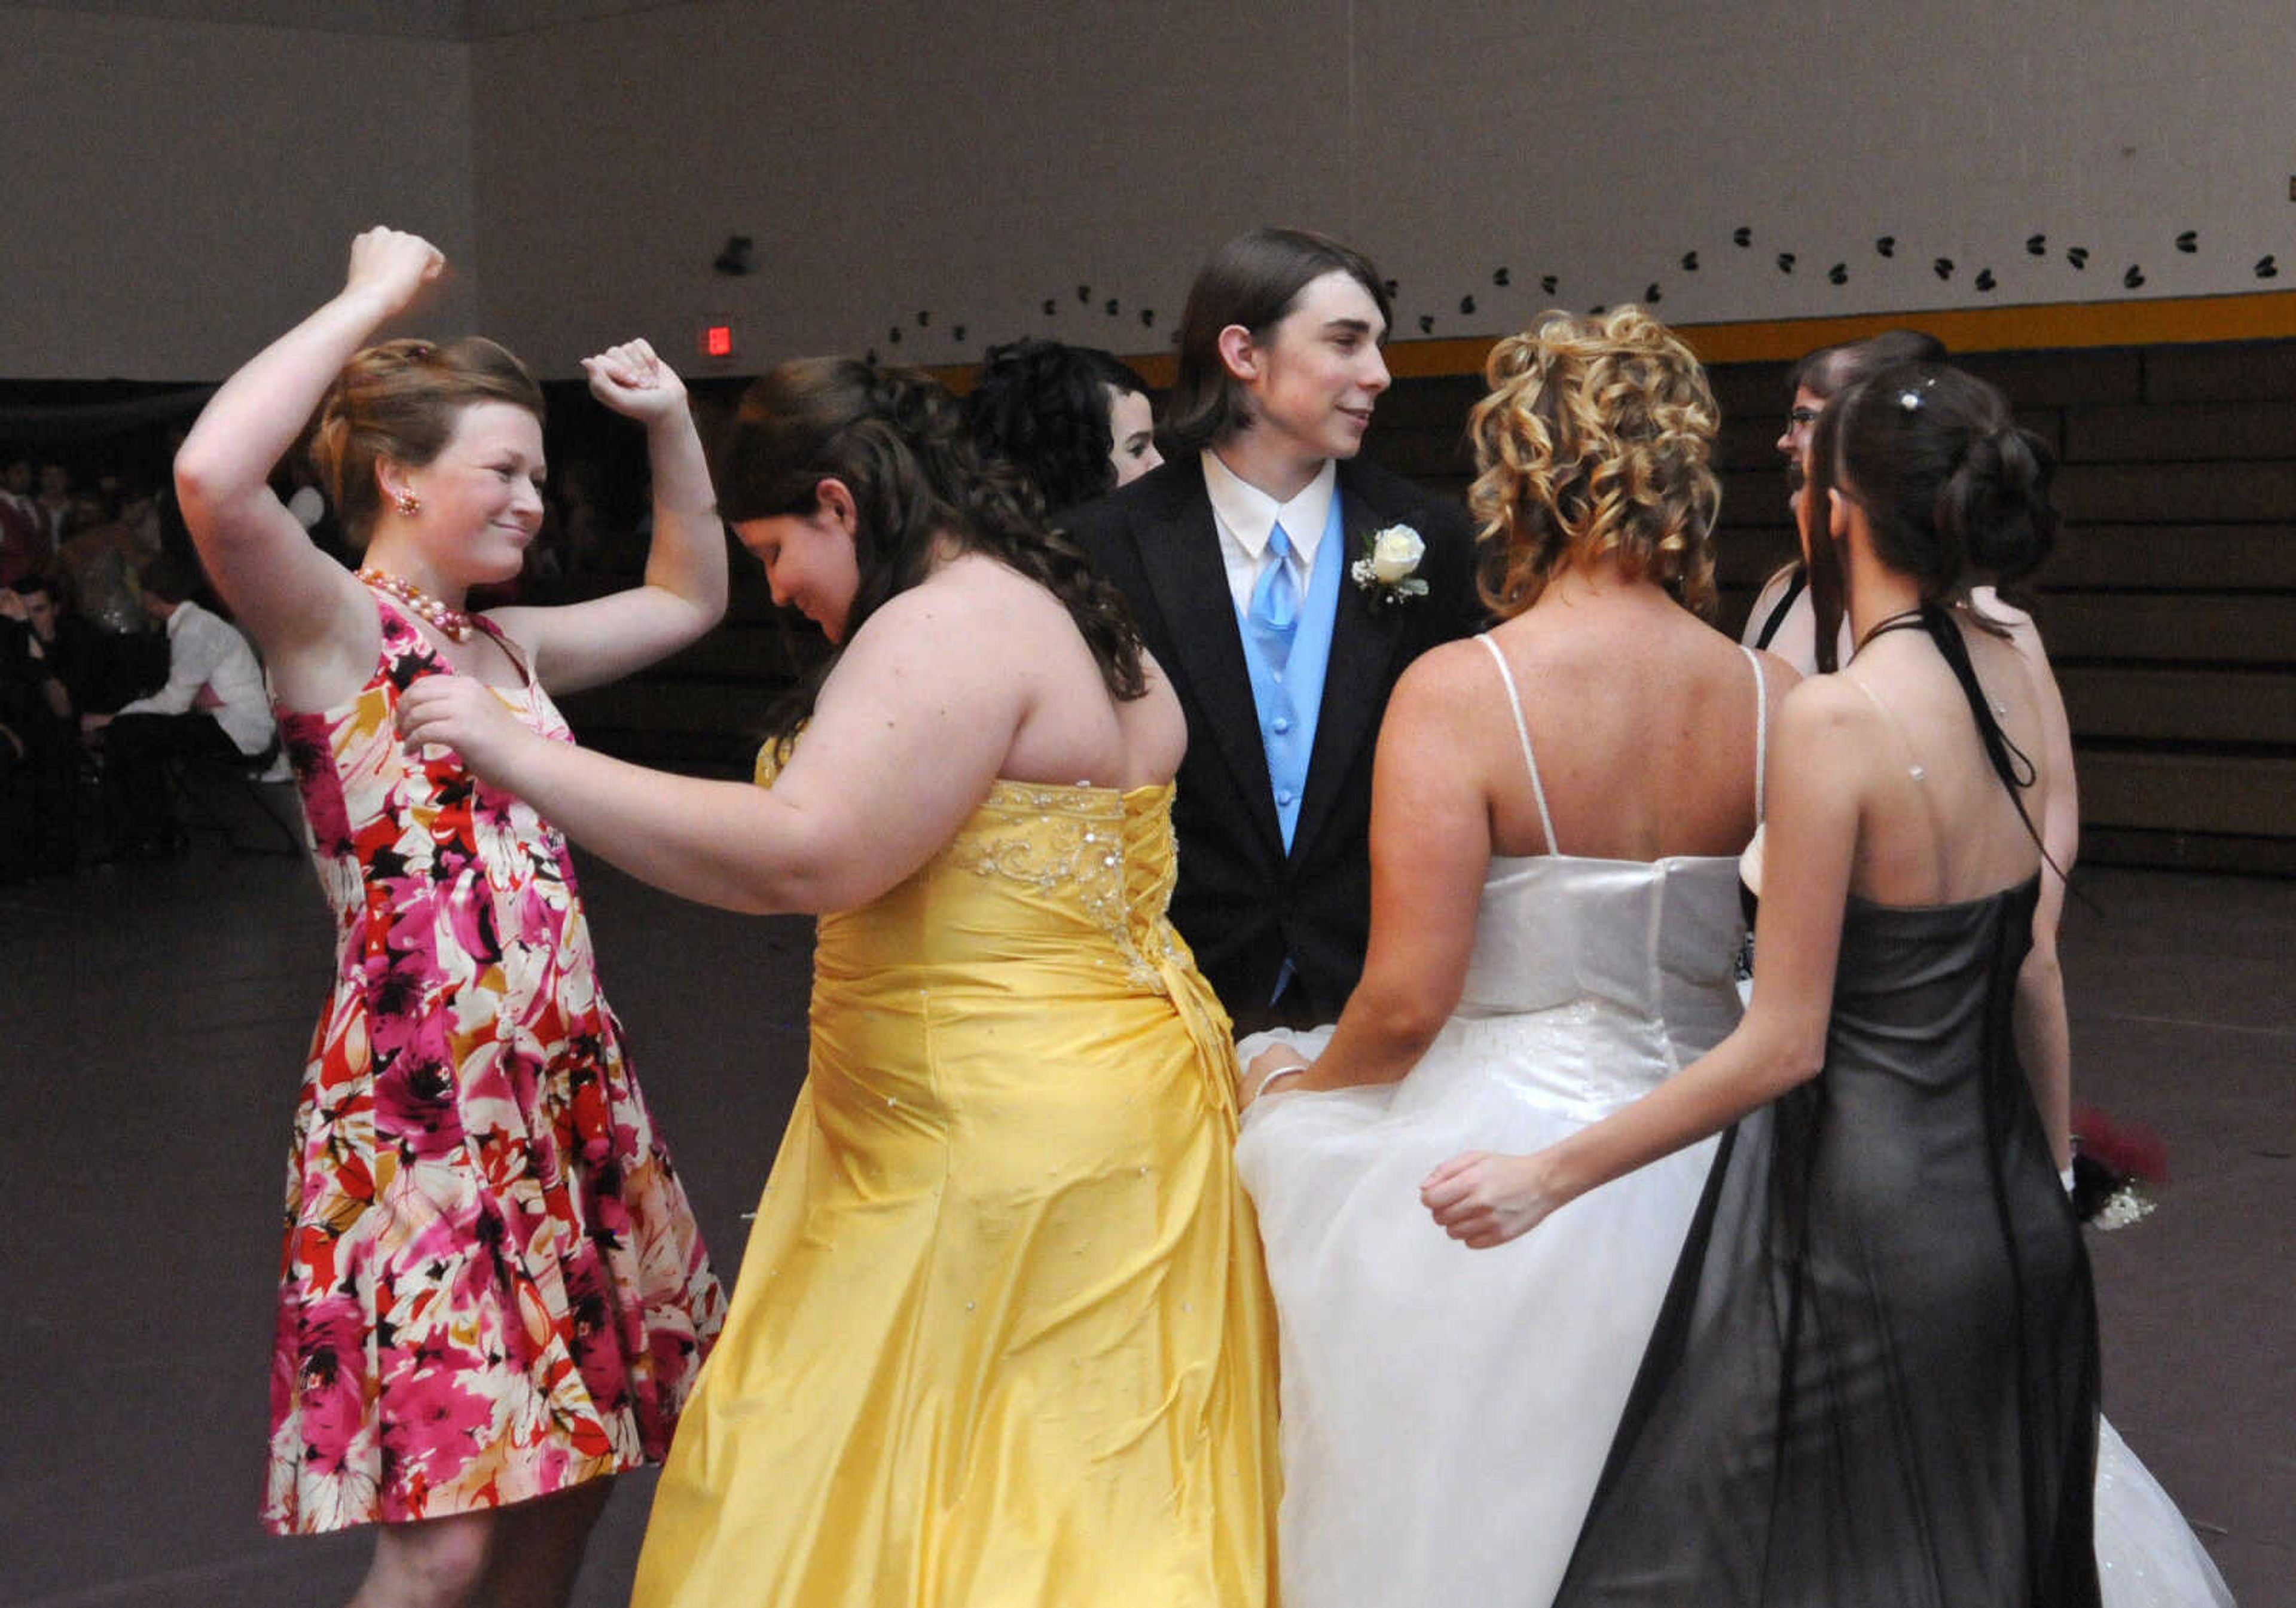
(1874, 1379)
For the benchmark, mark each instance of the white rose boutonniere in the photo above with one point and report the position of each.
(1389, 570)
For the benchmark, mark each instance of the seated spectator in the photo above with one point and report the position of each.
(213, 705)
(28, 632)
(39, 757)
(100, 557)
(102, 669)
(1074, 419)
(53, 501)
(24, 545)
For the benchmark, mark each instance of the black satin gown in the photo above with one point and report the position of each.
(1874, 1380)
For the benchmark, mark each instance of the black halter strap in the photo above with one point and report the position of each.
(1796, 584)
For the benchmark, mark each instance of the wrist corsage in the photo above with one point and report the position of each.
(2116, 1169)
(1389, 570)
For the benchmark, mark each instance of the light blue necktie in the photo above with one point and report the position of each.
(1273, 611)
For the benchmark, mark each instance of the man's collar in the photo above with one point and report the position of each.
(1247, 512)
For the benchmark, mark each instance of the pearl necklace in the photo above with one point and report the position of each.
(454, 622)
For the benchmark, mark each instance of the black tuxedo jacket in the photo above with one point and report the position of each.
(1241, 902)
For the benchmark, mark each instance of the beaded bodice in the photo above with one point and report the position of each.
(1075, 879)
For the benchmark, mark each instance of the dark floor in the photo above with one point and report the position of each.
(153, 1023)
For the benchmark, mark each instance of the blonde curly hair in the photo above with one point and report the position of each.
(1597, 442)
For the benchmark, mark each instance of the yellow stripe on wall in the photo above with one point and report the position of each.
(2044, 326)
(2172, 321)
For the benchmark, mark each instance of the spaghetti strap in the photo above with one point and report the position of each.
(528, 682)
(511, 649)
(1915, 768)
(1522, 733)
(1761, 730)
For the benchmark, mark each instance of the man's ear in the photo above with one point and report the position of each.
(833, 497)
(1240, 352)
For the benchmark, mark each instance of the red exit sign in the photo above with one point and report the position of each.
(716, 341)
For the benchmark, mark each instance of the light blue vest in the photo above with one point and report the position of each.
(1289, 701)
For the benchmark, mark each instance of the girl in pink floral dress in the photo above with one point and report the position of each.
(493, 1295)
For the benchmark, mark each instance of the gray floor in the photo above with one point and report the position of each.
(152, 1024)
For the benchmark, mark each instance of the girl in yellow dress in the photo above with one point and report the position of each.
(1002, 1334)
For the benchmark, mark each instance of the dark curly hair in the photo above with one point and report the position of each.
(896, 439)
(1042, 407)
(1956, 491)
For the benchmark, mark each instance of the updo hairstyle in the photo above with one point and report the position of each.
(1830, 370)
(1043, 408)
(896, 439)
(401, 400)
(1955, 490)
(1597, 442)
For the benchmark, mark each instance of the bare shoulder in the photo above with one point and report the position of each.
(2013, 648)
(1447, 715)
(967, 592)
(1993, 609)
(1822, 708)
(1446, 681)
(1778, 677)
(952, 625)
(979, 585)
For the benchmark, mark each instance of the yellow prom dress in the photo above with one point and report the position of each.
(1001, 1335)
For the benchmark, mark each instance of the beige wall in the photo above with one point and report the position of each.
(178, 191)
(893, 157)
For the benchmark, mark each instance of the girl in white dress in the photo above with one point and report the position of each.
(1556, 812)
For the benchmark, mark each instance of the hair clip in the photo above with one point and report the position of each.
(1909, 400)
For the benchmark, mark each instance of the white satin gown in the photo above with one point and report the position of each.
(1446, 1412)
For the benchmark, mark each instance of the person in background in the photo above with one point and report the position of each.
(213, 706)
(41, 834)
(25, 548)
(1781, 619)
(53, 501)
(1284, 584)
(1073, 420)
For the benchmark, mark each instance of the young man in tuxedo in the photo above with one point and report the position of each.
(1248, 559)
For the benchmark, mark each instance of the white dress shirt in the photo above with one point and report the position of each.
(211, 669)
(1244, 515)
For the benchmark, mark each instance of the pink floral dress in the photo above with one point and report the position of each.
(492, 1286)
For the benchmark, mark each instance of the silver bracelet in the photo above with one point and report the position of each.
(1281, 1072)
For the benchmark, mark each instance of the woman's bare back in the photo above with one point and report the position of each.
(1644, 724)
(1939, 825)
